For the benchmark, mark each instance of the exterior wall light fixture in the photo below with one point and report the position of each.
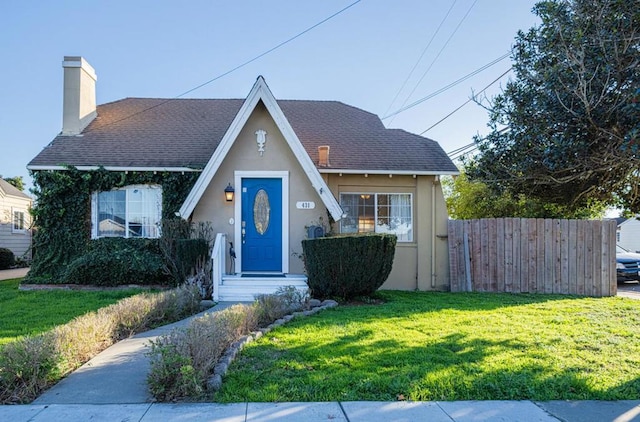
(228, 193)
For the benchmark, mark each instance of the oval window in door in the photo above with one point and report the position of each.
(261, 211)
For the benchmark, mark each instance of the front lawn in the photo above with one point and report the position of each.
(446, 346)
(36, 311)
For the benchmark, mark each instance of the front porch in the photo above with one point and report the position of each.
(245, 287)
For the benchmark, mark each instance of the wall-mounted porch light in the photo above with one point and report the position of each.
(228, 193)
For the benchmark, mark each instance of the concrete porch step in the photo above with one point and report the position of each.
(244, 289)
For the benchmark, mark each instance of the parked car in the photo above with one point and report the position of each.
(627, 264)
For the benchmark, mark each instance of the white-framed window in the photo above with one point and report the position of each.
(132, 211)
(19, 224)
(378, 212)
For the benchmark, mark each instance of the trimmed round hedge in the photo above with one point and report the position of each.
(348, 266)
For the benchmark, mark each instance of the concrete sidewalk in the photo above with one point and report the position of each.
(460, 411)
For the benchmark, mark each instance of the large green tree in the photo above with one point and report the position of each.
(566, 128)
(16, 182)
(468, 199)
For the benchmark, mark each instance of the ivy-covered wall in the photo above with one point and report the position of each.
(62, 212)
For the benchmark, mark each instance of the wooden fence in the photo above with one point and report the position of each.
(521, 255)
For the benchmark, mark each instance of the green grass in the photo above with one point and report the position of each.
(32, 312)
(444, 346)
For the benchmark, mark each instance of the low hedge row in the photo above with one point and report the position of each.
(118, 261)
(348, 266)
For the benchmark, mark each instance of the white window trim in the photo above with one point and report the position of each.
(25, 222)
(375, 209)
(94, 207)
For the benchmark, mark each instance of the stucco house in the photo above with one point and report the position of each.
(268, 171)
(15, 220)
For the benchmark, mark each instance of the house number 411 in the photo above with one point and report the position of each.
(305, 205)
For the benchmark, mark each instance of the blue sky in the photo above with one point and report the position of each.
(164, 48)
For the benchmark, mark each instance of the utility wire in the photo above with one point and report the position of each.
(465, 103)
(420, 58)
(437, 56)
(238, 66)
(451, 85)
(469, 148)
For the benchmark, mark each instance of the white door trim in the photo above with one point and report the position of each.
(243, 174)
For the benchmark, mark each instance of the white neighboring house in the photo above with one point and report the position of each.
(628, 233)
(15, 220)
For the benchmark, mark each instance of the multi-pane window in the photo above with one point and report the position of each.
(133, 211)
(18, 221)
(379, 213)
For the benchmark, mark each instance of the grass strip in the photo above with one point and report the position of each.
(32, 312)
(446, 346)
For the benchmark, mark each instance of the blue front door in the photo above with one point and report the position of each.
(261, 224)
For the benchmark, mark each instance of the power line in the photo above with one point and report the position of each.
(451, 85)
(469, 148)
(238, 66)
(438, 55)
(465, 103)
(421, 56)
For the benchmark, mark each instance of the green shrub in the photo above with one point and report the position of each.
(188, 251)
(182, 361)
(7, 259)
(118, 261)
(272, 307)
(348, 266)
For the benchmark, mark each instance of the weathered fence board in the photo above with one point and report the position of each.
(533, 256)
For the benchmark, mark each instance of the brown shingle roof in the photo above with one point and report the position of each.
(175, 133)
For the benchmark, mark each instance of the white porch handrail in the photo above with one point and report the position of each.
(218, 263)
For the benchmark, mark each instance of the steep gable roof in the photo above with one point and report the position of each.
(261, 93)
(182, 134)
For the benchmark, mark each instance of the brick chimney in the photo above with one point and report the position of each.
(79, 101)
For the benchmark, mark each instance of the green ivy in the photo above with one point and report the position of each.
(62, 213)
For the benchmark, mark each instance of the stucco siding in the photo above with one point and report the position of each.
(277, 157)
(414, 267)
(421, 263)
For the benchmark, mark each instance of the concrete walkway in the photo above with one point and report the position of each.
(14, 273)
(116, 375)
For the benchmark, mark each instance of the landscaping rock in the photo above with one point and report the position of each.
(206, 304)
(215, 382)
(287, 318)
(221, 369)
(314, 303)
(329, 303)
(226, 359)
(257, 335)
